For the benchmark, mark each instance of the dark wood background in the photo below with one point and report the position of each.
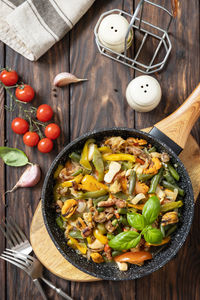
(101, 102)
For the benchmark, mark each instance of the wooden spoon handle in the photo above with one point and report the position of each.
(178, 125)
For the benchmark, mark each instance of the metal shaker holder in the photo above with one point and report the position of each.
(138, 24)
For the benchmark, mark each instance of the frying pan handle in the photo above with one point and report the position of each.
(178, 125)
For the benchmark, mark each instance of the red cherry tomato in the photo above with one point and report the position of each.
(24, 93)
(44, 113)
(45, 145)
(52, 131)
(31, 139)
(19, 126)
(9, 77)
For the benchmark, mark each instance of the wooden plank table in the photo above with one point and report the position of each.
(98, 103)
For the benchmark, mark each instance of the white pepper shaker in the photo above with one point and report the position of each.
(112, 32)
(143, 93)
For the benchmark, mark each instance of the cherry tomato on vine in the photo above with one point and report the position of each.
(24, 93)
(19, 126)
(45, 145)
(52, 131)
(44, 113)
(31, 139)
(9, 77)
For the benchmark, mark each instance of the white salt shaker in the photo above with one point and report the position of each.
(143, 93)
(112, 32)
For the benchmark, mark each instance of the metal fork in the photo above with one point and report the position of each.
(20, 244)
(15, 237)
(32, 267)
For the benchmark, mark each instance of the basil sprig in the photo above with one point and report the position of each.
(152, 235)
(151, 209)
(137, 221)
(125, 240)
(13, 157)
(143, 222)
(130, 239)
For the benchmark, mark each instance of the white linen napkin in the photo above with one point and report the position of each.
(31, 27)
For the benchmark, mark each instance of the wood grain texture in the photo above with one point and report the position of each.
(22, 204)
(98, 103)
(178, 79)
(2, 182)
(178, 125)
(52, 259)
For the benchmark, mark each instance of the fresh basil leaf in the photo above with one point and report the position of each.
(136, 220)
(153, 235)
(151, 209)
(13, 157)
(125, 240)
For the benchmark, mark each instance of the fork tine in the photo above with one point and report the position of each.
(6, 235)
(18, 230)
(9, 232)
(11, 225)
(26, 256)
(12, 262)
(18, 259)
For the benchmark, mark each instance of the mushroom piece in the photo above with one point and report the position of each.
(122, 266)
(81, 206)
(171, 195)
(96, 245)
(160, 193)
(88, 219)
(169, 218)
(86, 232)
(109, 212)
(109, 226)
(165, 157)
(115, 187)
(120, 203)
(114, 168)
(116, 143)
(80, 224)
(155, 154)
(99, 218)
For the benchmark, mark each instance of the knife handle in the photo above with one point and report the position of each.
(178, 125)
(37, 283)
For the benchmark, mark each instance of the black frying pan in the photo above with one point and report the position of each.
(169, 135)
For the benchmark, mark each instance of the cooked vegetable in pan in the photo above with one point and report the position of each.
(117, 201)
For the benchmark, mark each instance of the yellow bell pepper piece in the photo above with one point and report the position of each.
(104, 149)
(91, 184)
(136, 206)
(156, 166)
(119, 157)
(57, 172)
(164, 241)
(80, 246)
(102, 238)
(69, 183)
(84, 155)
(89, 240)
(97, 258)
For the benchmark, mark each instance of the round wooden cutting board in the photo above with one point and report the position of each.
(51, 258)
